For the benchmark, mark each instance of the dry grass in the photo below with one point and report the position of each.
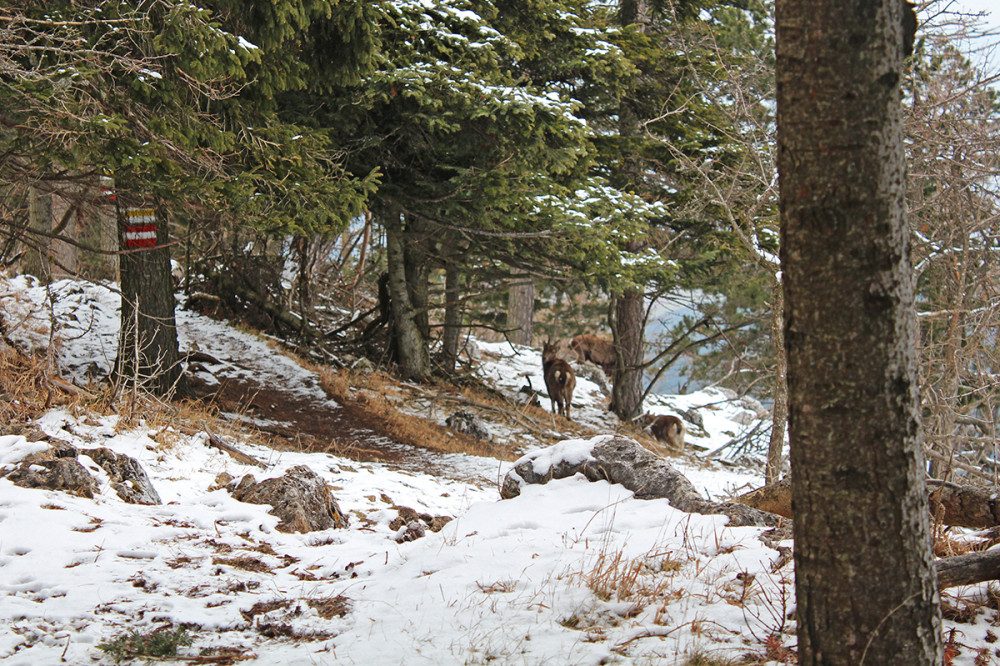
(244, 562)
(28, 387)
(331, 607)
(641, 581)
(369, 395)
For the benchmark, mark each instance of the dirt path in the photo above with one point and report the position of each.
(308, 423)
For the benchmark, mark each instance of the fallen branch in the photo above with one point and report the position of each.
(217, 442)
(968, 569)
(950, 503)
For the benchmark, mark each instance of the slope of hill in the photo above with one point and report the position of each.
(570, 572)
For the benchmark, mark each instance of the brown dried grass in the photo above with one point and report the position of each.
(373, 393)
(28, 387)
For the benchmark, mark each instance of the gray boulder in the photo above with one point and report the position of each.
(59, 468)
(300, 498)
(621, 460)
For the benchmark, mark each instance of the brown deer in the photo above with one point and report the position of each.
(666, 428)
(560, 380)
(599, 351)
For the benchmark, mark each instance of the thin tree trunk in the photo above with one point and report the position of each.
(627, 328)
(865, 584)
(779, 412)
(36, 257)
(452, 317)
(521, 311)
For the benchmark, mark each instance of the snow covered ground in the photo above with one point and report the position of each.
(570, 572)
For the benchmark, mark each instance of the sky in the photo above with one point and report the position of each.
(991, 23)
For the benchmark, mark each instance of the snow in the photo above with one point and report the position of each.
(570, 572)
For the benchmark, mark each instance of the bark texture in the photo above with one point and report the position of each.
(865, 580)
(521, 311)
(452, 318)
(627, 326)
(408, 335)
(148, 353)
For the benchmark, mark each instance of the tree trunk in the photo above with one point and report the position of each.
(521, 311)
(865, 584)
(415, 256)
(779, 413)
(148, 356)
(65, 216)
(36, 257)
(452, 317)
(627, 328)
(410, 341)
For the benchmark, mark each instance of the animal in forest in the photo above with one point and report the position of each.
(666, 428)
(599, 351)
(560, 380)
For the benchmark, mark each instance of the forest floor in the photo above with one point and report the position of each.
(568, 572)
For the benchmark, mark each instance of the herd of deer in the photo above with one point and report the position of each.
(560, 380)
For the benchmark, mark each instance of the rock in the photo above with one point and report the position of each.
(527, 396)
(588, 370)
(466, 422)
(692, 416)
(412, 531)
(754, 406)
(65, 474)
(300, 498)
(59, 468)
(128, 478)
(621, 460)
(222, 479)
(745, 418)
(410, 525)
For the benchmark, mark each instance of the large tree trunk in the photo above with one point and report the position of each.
(865, 584)
(410, 342)
(521, 310)
(627, 328)
(148, 356)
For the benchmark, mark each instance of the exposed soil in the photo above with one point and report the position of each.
(306, 424)
(348, 431)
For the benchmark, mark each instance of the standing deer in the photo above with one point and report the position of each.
(559, 380)
(599, 351)
(666, 428)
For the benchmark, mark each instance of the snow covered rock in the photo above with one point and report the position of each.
(621, 460)
(58, 467)
(65, 474)
(127, 476)
(410, 525)
(300, 498)
(588, 370)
